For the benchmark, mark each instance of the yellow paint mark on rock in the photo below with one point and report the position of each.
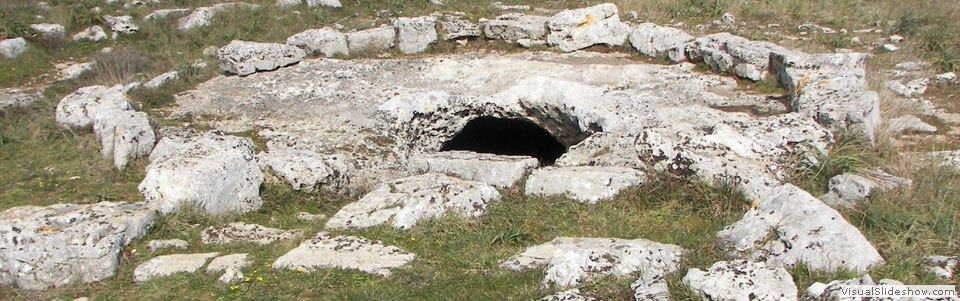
(586, 21)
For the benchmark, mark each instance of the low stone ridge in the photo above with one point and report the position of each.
(498, 170)
(790, 227)
(122, 24)
(93, 33)
(165, 13)
(943, 266)
(575, 29)
(651, 286)
(245, 58)
(166, 265)
(725, 52)
(202, 16)
(216, 174)
(569, 295)
(344, 252)
(326, 41)
(404, 202)
(241, 231)
(12, 48)
(911, 88)
(308, 171)
(654, 40)
(512, 27)
(909, 124)
(155, 245)
(63, 244)
(309, 217)
(14, 98)
(741, 280)
(414, 35)
(586, 184)
(124, 135)
(80, 107)
(372, 40)
(49, 31)
(571, 261)
(162, 79)
(455, 27)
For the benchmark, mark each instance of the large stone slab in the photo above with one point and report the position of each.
(729, 53)
(586, 184)
(122, 24)
(404, 202)
(326, 41)
(216, 174)
(308, 171)
(79, 108)
(414, 35)
(241, 231)
(653, 40)
(576, 29)
(571, 261)
(93, 33)
(455, 27)
(497, 170)
(245, 58)
(12, 48)
(790, 226)
(124, 135)
(12, 98)
(741, 280)
(344, 252)
(512, 27)
(64, 244)
(166, 265)
(372, 40)
(651, 286)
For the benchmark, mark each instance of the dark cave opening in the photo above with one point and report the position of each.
(507, 137)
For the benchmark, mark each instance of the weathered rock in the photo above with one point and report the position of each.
(910, 124)
(49, 31)
(288, 3)
(651, 286)
(12, 48)
(308, 217)
(13, 98)
(122, 24)
(528, 43)
(58, 245)
(512, 27)
(912, 65)
(227, 262)
(943, 266)
(372, 40)
(71, 70)
(124, 135)
(415, 34)
(586, 184)
(455, 27)
(848, 190)
(789, 226)
(576, 29)
(890, 47)
(166, 265)
(78, 109)
(949, 77)
(946, 158)
(653, 40)
(832, 290)
(728, 19)
(241, 231)
(324, 3)
(162, 79)
(740, 281)
(93, 33)
(165, 13)
(216, 174)
(230, 276)
(326, 41)
(911, 88)
(499, 5)
(244, 58)
(404, 202)
(569, 295)
(201, 17)
(571, 261)
(345, 252)
(497, 170)
(729, 53)
(155, 244)
(308, 171)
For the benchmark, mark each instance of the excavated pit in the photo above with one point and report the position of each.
(503, 136)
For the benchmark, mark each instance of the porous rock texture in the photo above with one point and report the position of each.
(512, 27)
(241, 231)
(124, 134)
(202, 16)
(326, 41)
(654, 40)
(415, 34)
(740, 281)
(166, 265)
(245, 58)
(497, 170)
(576, 29)
(345, 252)
(12, 48)
(308, 171)
(587, 184)
(12, 98)
(372, 40)
(57, 245)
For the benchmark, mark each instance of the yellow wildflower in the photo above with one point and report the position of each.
(259, 279)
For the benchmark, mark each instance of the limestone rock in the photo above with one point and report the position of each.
(790, 226)
(326, 41)
(167, 265)
(372, 40)
(832, 290)
(911, 88)
(653, 40)
(71, 70)
(847, 190)
(324, 3)
(12, 48)
(162, 79)
(729, 53)
(201, 17)
(12, 98)
(241, 231)
(910, 124)
(124, 135)
(93, 33)
(946, 158)
(651, 286)
(122, 24)
(308, 217)
(414, 35)
(307, 171)
(155, 244)
(497, 170)
(512, 27)
(586, 184)
(455, 27)
(288, 3)
(741, 280)
(943, 266)
(49, 31)
(165, 13)
(572, 261)
(228, 262)
(569, 295)
(912, 65)
(80, 107)
(230, 276)
(404, 202)
(528, 43)
(345, 252)
(576, 29)
(244, 58)
(216, 174)
(949, 77)
(63, 244)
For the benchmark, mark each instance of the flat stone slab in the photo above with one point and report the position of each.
(241, 231)
(244, 58)
(651, 286)
(12, 98)
(498, 170)
(580, 28)
(226, 262)
(570, 261)
(569, 295)
(586, 184)
(308, 171)
(63, 244)
(512, 27)
(344, 252)
(741, 280)
(157, 244)
(404, 202)
(167, 265)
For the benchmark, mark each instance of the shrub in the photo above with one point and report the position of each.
(118, 66)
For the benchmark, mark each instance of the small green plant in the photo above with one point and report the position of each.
(816, 167)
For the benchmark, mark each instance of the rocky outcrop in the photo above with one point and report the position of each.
(497, 170)
(404, 202)
(569, 295)
(571, 261)
(326, 41)
(165, 13)
(455, 27)
(12, 48)
(202, 16)
(58, 245)
(166, 265)
(943, 266)
(653, 40)
(14, 98)
(161, 79)
(344, 252)
(414, 35)
(230, 265)
(742, 280)
(513, 27)
(725, 52)
(216, 174)
(155, 245)
(651, 286)
(911, 88)
(49, 31)
(909, 124)
(240, 231)
(790, 226)
(93, 33)
(245, 58)
(586, 184)
(124, 134)
(324, 3)
(372, 40)
(122, 24)
(848, 190)
(308, 171)
(576, 29)
(79, 108)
